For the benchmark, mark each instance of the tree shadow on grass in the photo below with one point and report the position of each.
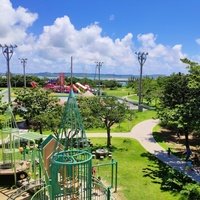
(168, 136)
(160, 173)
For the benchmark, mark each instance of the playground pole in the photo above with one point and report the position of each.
(112, 171)
(108, 194)
(15, 175)
(116, 168)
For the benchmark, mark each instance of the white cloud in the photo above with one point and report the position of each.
(147, 40)
(14, 23)
(61, 40)
(198, 41)
(161, 58)
(52, 49)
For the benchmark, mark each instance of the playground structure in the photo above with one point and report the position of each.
(9, 167)
(19, 152)
(60, 87)
(59, 167)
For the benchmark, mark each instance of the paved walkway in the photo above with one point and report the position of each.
(143, 133)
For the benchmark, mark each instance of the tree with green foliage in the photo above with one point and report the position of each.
(18, 80)
(3, 81)
(36, 105)
(111, 84)
(194, 96)
(180, 101)
(173, 111)
(131, 82)
(108, 110)
(48, 120)
(89, 119)
(151, 90)
(3, 107)
(190, 192)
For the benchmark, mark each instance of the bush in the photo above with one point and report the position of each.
(191, 192)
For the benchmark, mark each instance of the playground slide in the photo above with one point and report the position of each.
(81, 86)
(76, 89)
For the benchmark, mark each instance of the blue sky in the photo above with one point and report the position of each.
(49, 32)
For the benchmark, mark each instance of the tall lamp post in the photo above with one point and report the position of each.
(7, 51)
(99, 65)
(24, 61)
(142, 56)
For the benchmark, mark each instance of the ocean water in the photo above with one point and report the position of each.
(89, 76)
(93, 76)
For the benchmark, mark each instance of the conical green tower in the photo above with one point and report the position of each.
(71, 168)
(71, 132)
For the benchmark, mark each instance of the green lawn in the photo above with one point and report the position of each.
(133, 97)
(140, 175)
(128, 93)
(127, 125)
(119, 92)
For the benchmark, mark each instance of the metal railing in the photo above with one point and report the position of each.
(26, 187)
(44, 193)
(100, 191)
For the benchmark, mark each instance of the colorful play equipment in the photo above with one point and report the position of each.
(60, 86)
(83, 87)
(57, 167)
(19, 152)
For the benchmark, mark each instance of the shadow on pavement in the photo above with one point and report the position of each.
(169, 179)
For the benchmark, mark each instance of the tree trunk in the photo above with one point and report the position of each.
(40, 127)
(27, 123)
(108, 137)
(187, 145)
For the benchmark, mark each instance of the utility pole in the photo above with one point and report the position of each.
(99, 65)
(7, 51)
(24, 61)
(142, 56)
(71, 73)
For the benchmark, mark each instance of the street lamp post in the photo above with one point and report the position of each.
(8, 52)
(142, 56)
(24, 61)
(99, 65)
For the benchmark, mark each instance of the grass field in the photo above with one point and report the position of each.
(140, 175)
(119, 92)
(127, 125)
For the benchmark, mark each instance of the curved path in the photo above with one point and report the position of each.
(143, 133)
